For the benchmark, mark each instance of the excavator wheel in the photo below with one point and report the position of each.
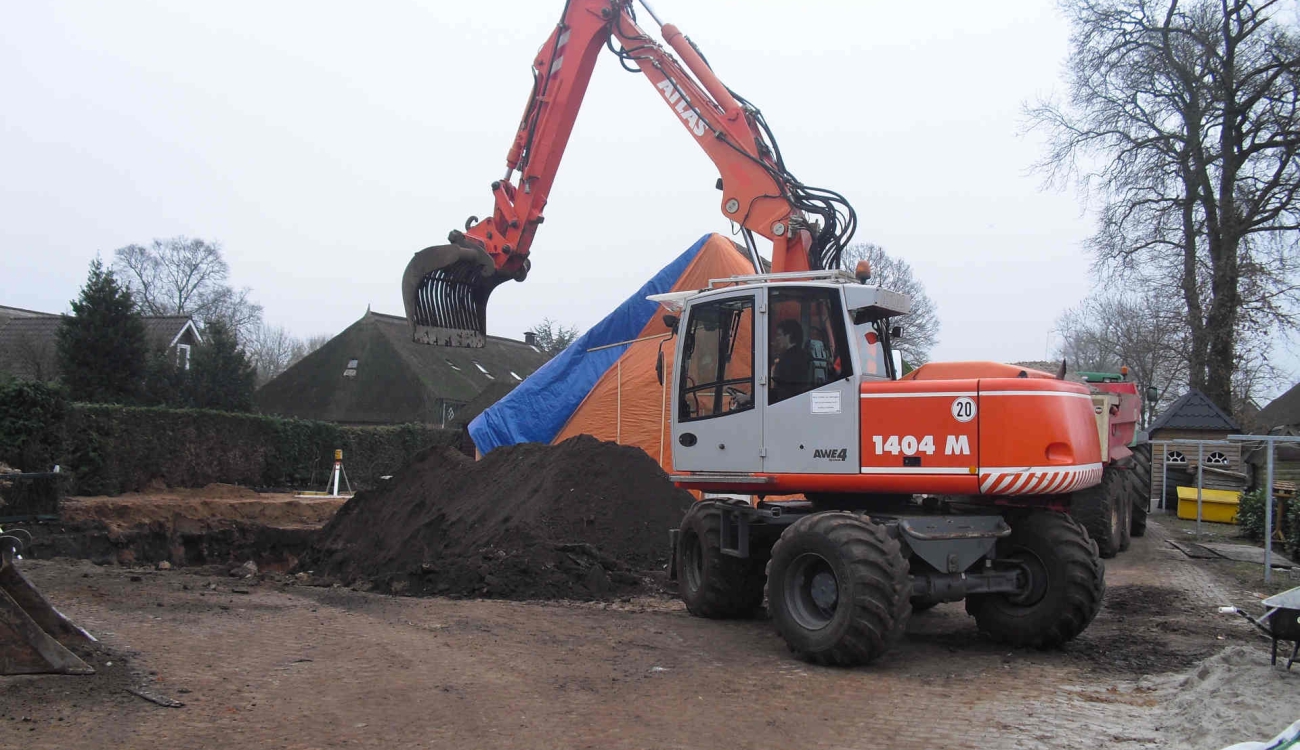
(1100, 509)
(838, 589)
(1066, 583)
(712, 584)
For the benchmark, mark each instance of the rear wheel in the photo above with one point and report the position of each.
(712, 584)
(838, 589)
(1141, 488)
(1065, 582)
(1100, 509)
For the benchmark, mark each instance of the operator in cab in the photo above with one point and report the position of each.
(790, 361)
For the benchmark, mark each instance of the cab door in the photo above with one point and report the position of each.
(717, 425)
(810, 421)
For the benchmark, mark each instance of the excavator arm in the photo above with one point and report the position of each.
(445, 288)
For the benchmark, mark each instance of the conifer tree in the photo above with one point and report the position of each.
(220, 375)
(101, 346)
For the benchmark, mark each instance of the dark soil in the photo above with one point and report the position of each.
(1139, 599)
(581, 520)
(182, 542)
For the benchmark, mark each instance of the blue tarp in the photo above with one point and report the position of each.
(539, 407)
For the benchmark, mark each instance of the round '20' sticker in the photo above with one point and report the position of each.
(963, 409)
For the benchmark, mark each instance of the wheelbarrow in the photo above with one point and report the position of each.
(1280, 621)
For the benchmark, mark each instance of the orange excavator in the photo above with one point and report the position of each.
(445, 288)
(844, 494)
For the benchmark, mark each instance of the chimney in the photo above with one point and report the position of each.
(530, 338)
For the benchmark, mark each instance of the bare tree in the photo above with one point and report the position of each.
(303, 347)
(272, 350)
(1142, 330)
(921, 326)
(184, 276)
(1184, 121)
(554, 337)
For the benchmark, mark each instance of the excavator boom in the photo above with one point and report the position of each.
(445, 288)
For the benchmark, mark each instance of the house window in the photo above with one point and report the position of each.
(515, 375)
(351, 370)
(1216, 458)
(482, 369)
(183, 356)
(1175, 457)
(453, 365)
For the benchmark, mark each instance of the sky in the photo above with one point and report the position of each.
(322, 143)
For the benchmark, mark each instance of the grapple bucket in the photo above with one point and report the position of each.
(34, 636)
(445, 291)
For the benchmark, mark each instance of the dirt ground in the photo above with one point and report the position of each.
(207, 505)
(272, 664)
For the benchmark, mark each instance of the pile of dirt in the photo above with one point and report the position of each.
(584, 519)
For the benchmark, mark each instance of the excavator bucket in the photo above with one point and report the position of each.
(445, 291)
(34, 636)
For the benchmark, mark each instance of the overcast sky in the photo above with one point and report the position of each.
(322, 143)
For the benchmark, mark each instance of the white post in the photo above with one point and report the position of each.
(338, 465)
(1164, 480)
(1268, 514)
(1200, 463)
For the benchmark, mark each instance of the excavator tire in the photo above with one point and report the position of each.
(838, 589)
(1066, 583)
(1100, 509)
(714, 585)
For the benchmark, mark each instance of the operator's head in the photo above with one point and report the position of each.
(792, 332)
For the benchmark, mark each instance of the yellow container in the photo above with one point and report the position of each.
(1219, 506)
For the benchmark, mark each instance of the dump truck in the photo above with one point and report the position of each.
(35, 637)
(1115, 510)
(852, 494)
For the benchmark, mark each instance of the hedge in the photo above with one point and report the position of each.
(112, 449)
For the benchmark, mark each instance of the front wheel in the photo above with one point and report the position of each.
(1064, 583)
(838, 589)
(712, 584)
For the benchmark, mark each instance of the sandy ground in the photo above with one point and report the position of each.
(209, 506)
(276, 665)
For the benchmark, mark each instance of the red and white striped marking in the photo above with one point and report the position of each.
(1038, 480)
(558, 58)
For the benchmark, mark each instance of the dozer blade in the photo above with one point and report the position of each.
(34, 636)
(445, 291)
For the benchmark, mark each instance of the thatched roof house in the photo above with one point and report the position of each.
(373, 373)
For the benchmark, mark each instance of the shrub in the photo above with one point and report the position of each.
(115, 449)
(1250, 515)
(31, 424)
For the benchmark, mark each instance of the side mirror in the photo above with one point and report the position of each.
(659, 364)
(1153, 394)
(671, 321)
(896, 332)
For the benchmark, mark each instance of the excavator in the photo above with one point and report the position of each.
(844, 493)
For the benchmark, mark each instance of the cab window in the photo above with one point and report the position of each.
(807, 346)
(717, 376)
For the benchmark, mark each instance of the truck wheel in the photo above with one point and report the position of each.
(1101, 511)
(1066, 582)
(1126, 519)
(838, 589)
(712, 584)
(1140, 494)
